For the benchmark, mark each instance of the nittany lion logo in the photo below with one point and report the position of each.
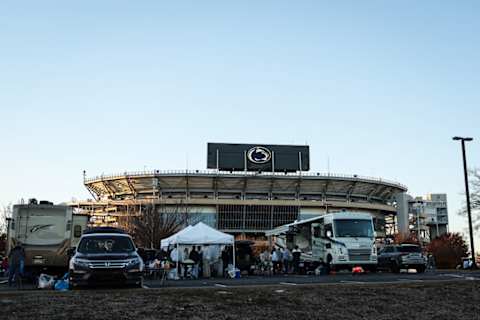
(259, 155)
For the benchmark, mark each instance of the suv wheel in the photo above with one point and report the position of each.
(140, 283)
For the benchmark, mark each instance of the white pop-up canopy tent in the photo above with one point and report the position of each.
(200, 234)
(172, 240)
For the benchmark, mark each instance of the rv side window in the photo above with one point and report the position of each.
(77, 231)
(317, 233)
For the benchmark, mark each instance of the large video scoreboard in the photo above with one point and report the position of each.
(258, 157)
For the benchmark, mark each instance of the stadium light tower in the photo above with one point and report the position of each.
(467, 191)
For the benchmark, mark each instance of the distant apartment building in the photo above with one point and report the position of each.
(428, 216)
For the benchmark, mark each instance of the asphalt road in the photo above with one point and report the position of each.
(339, 278)
(293, 280)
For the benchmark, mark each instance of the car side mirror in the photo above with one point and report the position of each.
(329, 233)
(71, 251)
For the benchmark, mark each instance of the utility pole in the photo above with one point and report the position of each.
(467, 191)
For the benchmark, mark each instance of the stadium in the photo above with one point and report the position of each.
(248, 190)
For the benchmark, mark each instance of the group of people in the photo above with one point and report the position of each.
(281, 260)
(194, 262)
(213, 261)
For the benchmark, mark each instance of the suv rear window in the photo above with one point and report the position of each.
(409, 249)
(105, 244)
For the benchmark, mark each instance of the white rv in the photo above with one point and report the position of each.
(339, 240)
(46, 232)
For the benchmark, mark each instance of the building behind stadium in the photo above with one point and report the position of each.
(248, 189)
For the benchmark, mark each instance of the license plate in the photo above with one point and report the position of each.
(38, 261)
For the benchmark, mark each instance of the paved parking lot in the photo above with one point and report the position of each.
(293, 280)
(341, 278)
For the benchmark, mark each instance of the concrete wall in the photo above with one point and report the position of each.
(307, 213)
(402, 213)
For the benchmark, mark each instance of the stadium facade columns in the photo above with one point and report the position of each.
(402, 213)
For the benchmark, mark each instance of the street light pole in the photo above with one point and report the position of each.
(467, 191)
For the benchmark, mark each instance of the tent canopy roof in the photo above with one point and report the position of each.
(168, 241)
(198, 234)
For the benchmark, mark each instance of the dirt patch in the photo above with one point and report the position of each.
(452, 300)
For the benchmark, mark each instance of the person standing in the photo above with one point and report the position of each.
(430, 262)
(265, 262)
(176, 258)
(215, 253)
(16, 259)
(162, 255)
(5, 266)
(296, 253)
(206, 262)
(225, 260)
(200, 261)
(185, 254)
(184, 257)
(275, 260)
(195, 257)
(280, 260)
(287, 257)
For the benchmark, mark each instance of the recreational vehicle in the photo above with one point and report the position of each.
(338, 240)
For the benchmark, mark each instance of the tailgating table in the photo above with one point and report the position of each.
(188, 267)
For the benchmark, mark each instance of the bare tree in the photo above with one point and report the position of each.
(5, 212)
(156, 222)
(474, 181)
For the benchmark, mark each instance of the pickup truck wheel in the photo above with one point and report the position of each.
(420, 269)
(395, 268)
(372, 269)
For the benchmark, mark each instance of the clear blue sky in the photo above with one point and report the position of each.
(379, 87)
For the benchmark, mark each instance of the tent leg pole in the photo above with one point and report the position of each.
(234, 266)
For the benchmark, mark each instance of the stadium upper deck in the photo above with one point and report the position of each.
(242, 186)
(243, 202)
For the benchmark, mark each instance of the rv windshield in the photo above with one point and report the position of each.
(353, 228)
(105, 244)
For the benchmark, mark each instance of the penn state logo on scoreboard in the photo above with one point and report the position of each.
(259, 155)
